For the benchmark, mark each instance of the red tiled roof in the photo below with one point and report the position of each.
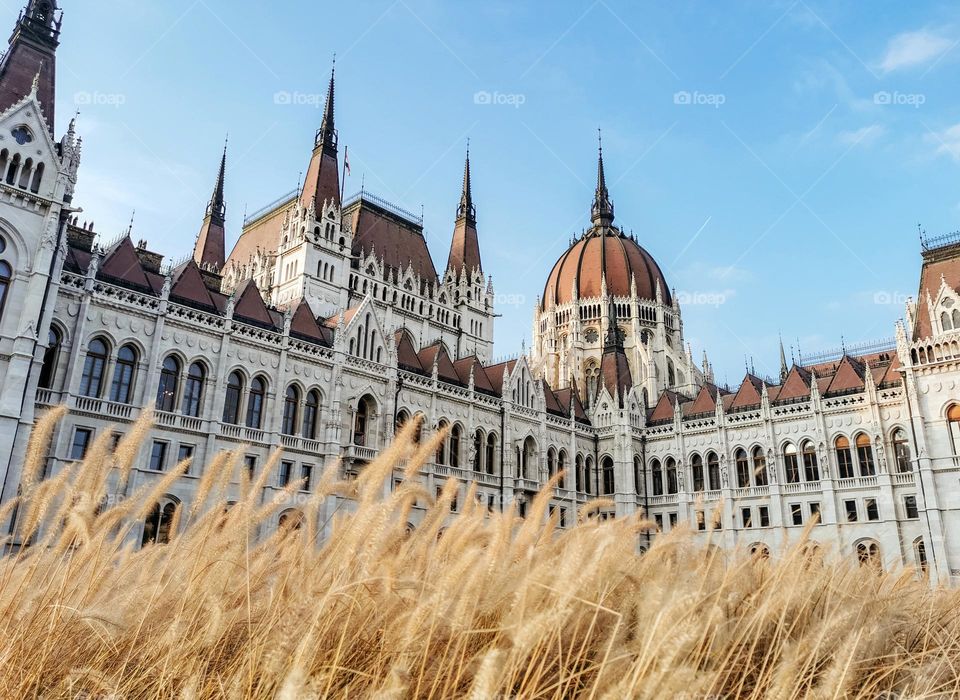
(122, 265)
(497, 373)
(849, 376)
(615, 373)
(445, 369)
(796, 386)
(251, 307)
(564, 397)
(481, 381)
(552, 404)
(188, 287)
(939, 263)
(398, 241)
(665, 407)
(263, 234)
(749, 394)
(706, 401)
(406, 352)
(331, 322)
(304, 325)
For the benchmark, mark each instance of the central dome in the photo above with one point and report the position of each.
(602, 253)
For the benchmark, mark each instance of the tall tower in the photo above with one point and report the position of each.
(322, 185)
(209, 251)
(32, 55)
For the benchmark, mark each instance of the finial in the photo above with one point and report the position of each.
(36, 80)
(132, 217)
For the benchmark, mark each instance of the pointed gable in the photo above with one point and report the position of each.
(706, 401)
(406, 353)
(892, 374)
(251, 307)
(550, 399)
(749, 395)
(189, 288)
(665, 407)
(498, 372)
(304, 325)
(121, 265)
(568, 395)
(848, 377)
(481, 382)
(797, 385)
(445, 369)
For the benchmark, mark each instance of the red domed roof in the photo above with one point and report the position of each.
(613, 254)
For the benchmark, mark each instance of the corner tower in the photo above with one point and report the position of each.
(32, 56)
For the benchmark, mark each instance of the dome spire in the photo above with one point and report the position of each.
(602, 211)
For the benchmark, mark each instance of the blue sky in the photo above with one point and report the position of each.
(775, 157)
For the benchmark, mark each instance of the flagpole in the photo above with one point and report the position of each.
(343, 180)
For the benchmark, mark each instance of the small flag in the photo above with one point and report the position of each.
(346, 160)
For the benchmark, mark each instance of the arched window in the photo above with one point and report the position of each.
(920, 555)
(901, 450)
(561, 468)
(696, 467)
(673, 485)
(713, 471)
(588, 479)
(169, 381)
(953, 420)
(478, 451)
(456, 436)
(361, 423)
(743, 468)
(945, 321)
(91, 382)
(868, 554)
(442, 447)
(578, 465)
(6, 278)
(491, 457)
(656, 470)
(233, 398)
(291, 409)
(811, 468)
(637, 476)
(290, 520)
(255, 400)
(609, 487)
(528, 456)
(121, 390)
(759, 467)
(844, 458)
(193, 390)
(51, 355)
(156, 527)
(865, 455)
(311, 412)
(791, 464)
(551, 463)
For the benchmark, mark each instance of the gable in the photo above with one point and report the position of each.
(406, 353)
(705, 402)
(665, 407)
(190, 289)
(797, 385)
(848, 377)
(304, 325)
(749, 394)
(122, 265)
(251, 307)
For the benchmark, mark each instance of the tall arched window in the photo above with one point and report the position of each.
(491, 459)
(868, 554)
(579, 476)
(673, 485)
(255, 401)
(478, 451)
(743, 468)
(121, 390)
(156, 527)
(901, 450)
(311, 412)
(656, 471)
(588, 479)
(953, 420)
(562, 467)
(169, 381)
(291, 409)
(713, 471)
(6, 277)
(844, 458)
(456, 437)
(696, 466)
(51, 355)
(637, 476)
(442, 447)
(865, 455)
(791, 463)
(91, 382)
(551, 463)
(609, 487)
(233, 398)
(811, 468)
(193, 390)
(759, 467)
(361, 423)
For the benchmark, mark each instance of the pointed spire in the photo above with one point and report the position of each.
(321, 186)
(467, 210)
(465, 246)
(784, 370)
(209, 251)
(327, 126)
(217, 207)
(602, 211)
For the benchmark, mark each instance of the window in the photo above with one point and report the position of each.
(743, 469)
(673, 520)
(920, 554)
(491, 459)
(158, 455)
(790, 464)
(81, 441)
(759, 467)
(50, 357)
(844, 458)
(306, 475)
(6, 276)
(658, 519)
(232, 399)
(697, 467)
(868, 554)
(169, 379)
(910, 507)
(953, 419)
(873, 511)
(311, 412)
(673, 485)
(285, 473)
(291, 406)
(193, 390)
(657, 472)
(764, 516)
(453, 502)
(455, 439)
(156, 527)
(442, 447)
(851, 509)
(713, 471)
(91, 381)
(796, 513)
(609, 487)
(121, 390)
(185, 452)
(255, 401)
(811, 470)
(901, 450)
(250, 462)
(701, 521)
(478, 451)
(815, 512)
(360, 423)
(747, 515)
(865, 455)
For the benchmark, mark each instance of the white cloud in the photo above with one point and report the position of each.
(912, 49)
(947, 142)
(862, 137)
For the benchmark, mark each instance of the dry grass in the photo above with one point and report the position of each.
(494, 607)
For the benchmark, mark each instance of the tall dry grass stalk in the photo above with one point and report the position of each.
(479, 605)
